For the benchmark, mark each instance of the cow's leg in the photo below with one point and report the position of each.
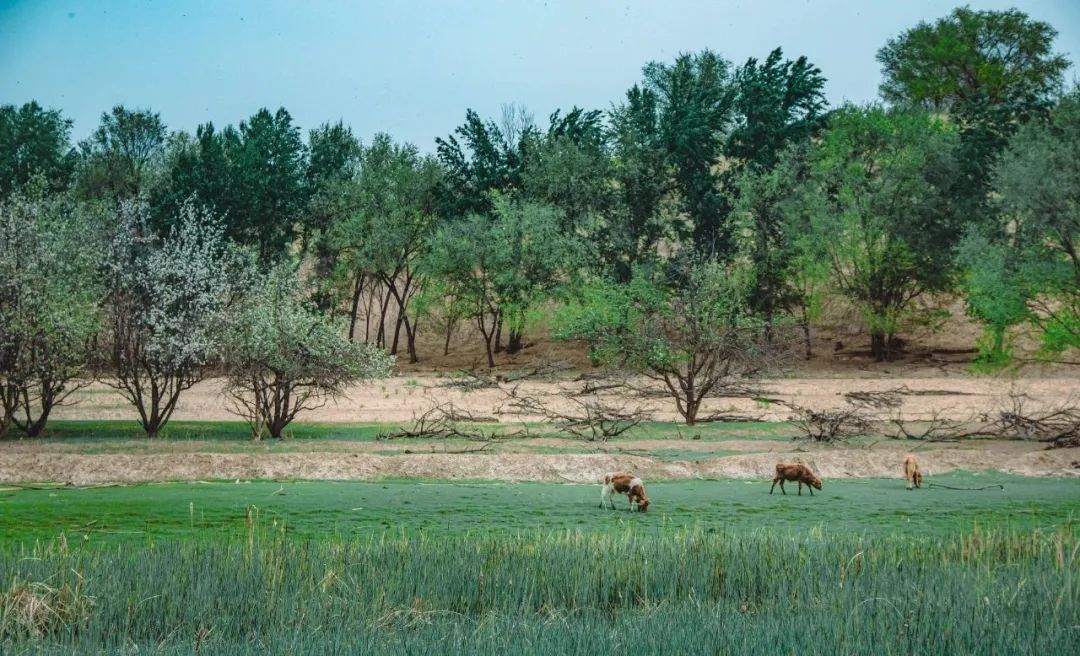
(782, 487)
(773, 486)
(605, 495)
(811, 488)
(800, 488)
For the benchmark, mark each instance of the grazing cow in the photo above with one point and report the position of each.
(631, 486)
(912, 472)
(800, 473)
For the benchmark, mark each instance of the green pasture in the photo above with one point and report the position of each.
(346, 510)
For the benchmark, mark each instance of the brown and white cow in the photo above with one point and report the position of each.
(800, 473)
(621, 483)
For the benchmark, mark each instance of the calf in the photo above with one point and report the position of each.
(800, 473)
(911, 472)
(620, 483)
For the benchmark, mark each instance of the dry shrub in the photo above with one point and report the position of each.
(36, 609)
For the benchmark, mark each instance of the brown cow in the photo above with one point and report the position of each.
(620, 483)
(912, 472)
(800, 473)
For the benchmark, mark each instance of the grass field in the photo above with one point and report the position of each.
(677, 592)
(314, 510)
(439, 567)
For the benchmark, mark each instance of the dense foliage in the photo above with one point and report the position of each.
(963, 182)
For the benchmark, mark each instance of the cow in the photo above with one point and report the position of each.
(912, 472)
(800, 473)
(621, 483)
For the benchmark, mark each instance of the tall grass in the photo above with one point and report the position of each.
(688, 592)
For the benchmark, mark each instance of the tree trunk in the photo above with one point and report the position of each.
(514, 343)
(806, 334)
(449, 331)
(498, 332)
(877, 346)
(358, 288)
(384, 305)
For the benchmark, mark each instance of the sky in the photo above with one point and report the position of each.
(412, 68)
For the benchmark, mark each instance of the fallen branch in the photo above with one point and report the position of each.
(968, 489)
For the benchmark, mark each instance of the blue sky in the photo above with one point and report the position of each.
(411, 68)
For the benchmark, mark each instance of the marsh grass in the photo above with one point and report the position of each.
(686, 592)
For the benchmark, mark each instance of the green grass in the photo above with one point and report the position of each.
(211, 431)
(313, 510)
(680, 592)
(237, 431)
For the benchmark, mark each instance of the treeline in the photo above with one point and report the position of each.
(710, 211)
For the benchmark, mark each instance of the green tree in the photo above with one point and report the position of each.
(482, 157)
(644, 184)
(877, 215)
(334, 159)
(255, 176)
(48, 305)
(284, 356)
(990, 70)
(500, 266)
(691, 331)
(779, 105)
(1038, 184)
(696, 98)
(34, 141)
(569, 167)
(122, 156)
(778, 102)
(770, 237)
(387, 217)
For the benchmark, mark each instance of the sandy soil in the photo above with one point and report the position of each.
(24, 463)
(403, 398)
(935, 369)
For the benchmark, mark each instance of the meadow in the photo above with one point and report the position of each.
(437, 566)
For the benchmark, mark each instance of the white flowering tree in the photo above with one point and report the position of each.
(285, 357)
(48, 306)
(167, 306)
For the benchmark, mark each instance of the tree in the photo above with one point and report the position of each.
(120, 157)
(500, 266)
(769, 237)
(692, 333)
(1038, 240)
(386, 216)
(778, 102)
(695, 98)
(166, 305)
(254, 176)
(482, 157)
(780, 106)
(285, 357)
(568, 167)
(990, 70)
(48, 305)
(335, 155)
(643, 180)
(873, 197)
(268, 161)
(34, 141)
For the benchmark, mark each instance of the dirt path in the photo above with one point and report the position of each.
(401, 399)
(879, 461)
